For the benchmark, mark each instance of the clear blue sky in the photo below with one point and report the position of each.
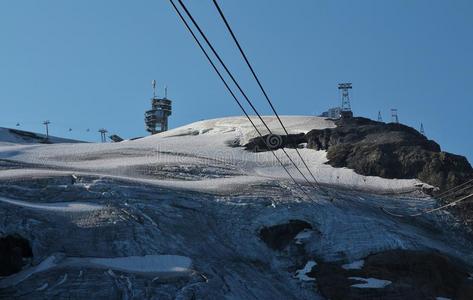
(89, 64)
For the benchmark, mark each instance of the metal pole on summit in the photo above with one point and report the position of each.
(46, 123)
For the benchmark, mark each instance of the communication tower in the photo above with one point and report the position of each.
(103, 134)
(422, 131)
(156, 119)
(346, 107)
(394, 117)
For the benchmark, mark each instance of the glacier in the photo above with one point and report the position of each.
(177, 215)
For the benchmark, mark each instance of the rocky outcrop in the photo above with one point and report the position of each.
(14, 251)
(390, 151)
(279, 236)
(378, 149)
(407, 274)
(463, 212)
(274, 141)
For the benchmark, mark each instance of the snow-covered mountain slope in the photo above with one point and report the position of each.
(15, 136)
(194, 205)
(202, 151)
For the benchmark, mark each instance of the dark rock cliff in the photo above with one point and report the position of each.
(378, 149)
(409, 274)
(390, 151)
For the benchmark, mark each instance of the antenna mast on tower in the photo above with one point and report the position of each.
(153, 84)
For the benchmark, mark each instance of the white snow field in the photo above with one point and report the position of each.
(205, 146)
(178, 215)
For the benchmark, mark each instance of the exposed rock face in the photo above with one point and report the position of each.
(378, 149)
(273, 141)
(409, 275)
(464, 211)
(13, 250)
(390, 151)
(279, 236)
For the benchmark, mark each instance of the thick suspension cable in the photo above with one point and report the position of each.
(209, 44)
(455, 189)
(429, 211)
(233, 95)
(461, 187)
(259, 83)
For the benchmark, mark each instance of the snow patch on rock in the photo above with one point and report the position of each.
(356, 265)
(370, 283)
(303, 235)
(302, 273)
